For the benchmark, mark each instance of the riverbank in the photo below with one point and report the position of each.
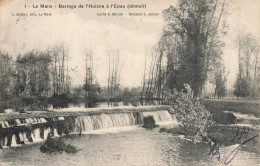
(241, 106)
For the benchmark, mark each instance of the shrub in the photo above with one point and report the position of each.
(242, 87)
(191, 114)
(60, 101)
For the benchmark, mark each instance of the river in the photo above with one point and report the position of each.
(131, 145)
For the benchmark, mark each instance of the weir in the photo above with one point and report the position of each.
(29, 130)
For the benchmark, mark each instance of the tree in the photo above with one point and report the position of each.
(33, 73)
(92, 89)
(170, 41)
(32, 80)
(256, 80)
(220, 80)
(130, 95)
(247, 82)
(157, 74)
(60, 69)
(199, 25)
(7, 75)
(144, 78)
(114, 74)
(242, 87)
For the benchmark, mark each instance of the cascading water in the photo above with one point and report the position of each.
(14, 141)
(159, 116)
(23, 131)
(104, 121)
(46, 132)
(36, 135)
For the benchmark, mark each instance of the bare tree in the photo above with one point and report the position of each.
(114, 73)
(144, 80)
(60, 78)
(246, 83)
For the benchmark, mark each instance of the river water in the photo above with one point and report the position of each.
(131, 145)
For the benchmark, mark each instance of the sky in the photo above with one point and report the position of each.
(81, 29)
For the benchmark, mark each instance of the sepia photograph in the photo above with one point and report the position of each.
(129, 82)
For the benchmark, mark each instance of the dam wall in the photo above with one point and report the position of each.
(29, 128)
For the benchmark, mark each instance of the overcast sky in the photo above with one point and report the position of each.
(81, 29)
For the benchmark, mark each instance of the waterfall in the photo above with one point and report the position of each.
(23, 131)
(13, 143)
(55, 133)
(36, 135)
(46, 132)
(17, 122)
(104, 121)
(22, 137)
(4, 124)
(159, 116)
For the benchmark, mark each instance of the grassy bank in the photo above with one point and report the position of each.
(79, 112)
(241, 106)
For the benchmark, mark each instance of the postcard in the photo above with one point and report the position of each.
(129, 82)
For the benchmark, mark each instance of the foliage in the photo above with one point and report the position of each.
(242, 87)
(92, 91)
(32, 74)
(220, 90)
(172, 80)
(27, 80)
(6, 76)
(60, 101)
(128, 95)
(18, 103)
(59, 69)
(34, 103)
(241, 106)
(246, 84)
(194, 119)
(77, 95)
(92, 87)
(255, 89)
(220, 81)
(198, 26)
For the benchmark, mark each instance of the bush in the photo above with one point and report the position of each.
(191, 114)
(242, 87)
(60, 101)
(3, 105)
(35, 102)
(31, 103)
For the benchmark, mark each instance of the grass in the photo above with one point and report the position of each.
(241, 106)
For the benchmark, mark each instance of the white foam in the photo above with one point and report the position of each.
(159, 116)
(13, 143)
